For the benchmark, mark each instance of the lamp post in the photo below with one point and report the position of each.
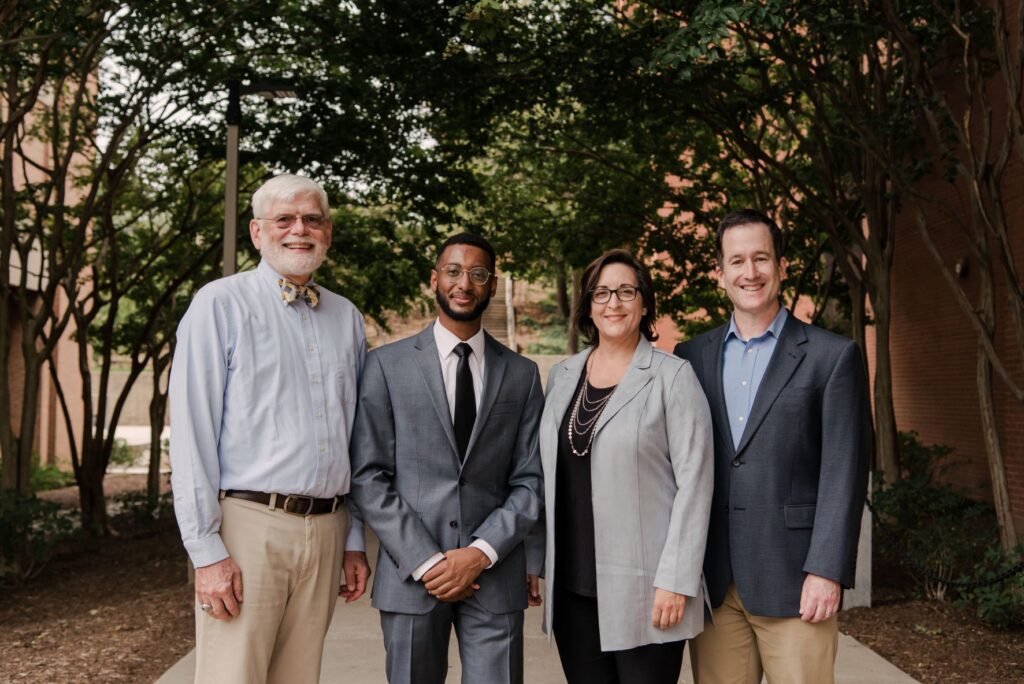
(268, 90)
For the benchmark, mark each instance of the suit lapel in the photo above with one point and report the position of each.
(712, 361)
(494, 372)
(429, 365)
(635, 379)
(561, 391)
(785, 360)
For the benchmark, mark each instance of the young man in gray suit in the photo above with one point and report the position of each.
(447, 474)
(792, 429)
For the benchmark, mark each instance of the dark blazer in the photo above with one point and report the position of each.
(412, 491)
(787, 501)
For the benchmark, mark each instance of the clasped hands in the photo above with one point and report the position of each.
(454, 577)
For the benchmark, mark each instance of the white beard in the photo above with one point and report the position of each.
(285, 261)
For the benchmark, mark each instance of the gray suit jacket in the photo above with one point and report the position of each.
(410, 488)
(788, 500)
(651, 470)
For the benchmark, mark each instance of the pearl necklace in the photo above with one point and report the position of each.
(585, 427)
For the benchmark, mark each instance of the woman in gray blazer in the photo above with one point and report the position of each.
(625, 439)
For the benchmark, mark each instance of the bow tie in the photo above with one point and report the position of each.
(290, 292)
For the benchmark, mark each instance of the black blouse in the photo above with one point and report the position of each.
(574, 512)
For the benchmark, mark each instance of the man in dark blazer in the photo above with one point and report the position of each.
(792, 430)
(447, 473)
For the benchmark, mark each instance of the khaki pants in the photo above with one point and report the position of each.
(739, 647)
(291, 571)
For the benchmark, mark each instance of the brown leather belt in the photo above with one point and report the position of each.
(290, 503)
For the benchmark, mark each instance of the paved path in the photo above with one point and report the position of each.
(354, 654)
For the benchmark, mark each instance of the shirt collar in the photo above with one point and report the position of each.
(774, 329)
(267, 271)
(446, 340)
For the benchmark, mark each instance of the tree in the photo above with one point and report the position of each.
(969, 90)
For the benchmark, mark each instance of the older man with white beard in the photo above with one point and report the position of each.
(263, 392)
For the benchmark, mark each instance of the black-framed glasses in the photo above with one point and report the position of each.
(287, 221)
(478, 275)
(603, 295)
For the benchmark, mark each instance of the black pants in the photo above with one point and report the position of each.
(583, 661)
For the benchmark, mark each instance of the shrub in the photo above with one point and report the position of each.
(31, 531)
(930, 528)
(48, 477)
(1001, 604)
(122, 453)
(143, 512)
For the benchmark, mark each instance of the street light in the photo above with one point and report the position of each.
(269, 89)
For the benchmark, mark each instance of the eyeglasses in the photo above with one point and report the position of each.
(453, 272)
(287, 221)
(602, 295)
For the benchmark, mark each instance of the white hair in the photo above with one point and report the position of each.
(285, 188)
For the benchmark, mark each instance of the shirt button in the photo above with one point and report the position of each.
(453, 523)
(315, 380)
(744, 383)
(323, 448)
(305, 317)
(749, 350)
(311, 348)
(741, 419)
(319, 414)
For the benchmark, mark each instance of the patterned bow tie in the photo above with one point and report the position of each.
(290, 292)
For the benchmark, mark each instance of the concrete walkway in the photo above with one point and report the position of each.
(354, 653)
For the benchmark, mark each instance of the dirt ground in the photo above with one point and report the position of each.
(122, 612)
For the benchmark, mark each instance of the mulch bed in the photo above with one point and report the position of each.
(122, 612)
(937, 642)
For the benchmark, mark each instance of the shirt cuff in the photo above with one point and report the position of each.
(356, 540)
(206, 551)
(419, 572)
(488, 550)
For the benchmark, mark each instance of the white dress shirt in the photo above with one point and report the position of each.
(446, 342)
(263, 397)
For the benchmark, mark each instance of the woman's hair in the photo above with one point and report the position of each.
(582, 321)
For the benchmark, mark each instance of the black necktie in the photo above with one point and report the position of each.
(465, 399)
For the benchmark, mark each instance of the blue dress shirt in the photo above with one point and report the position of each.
(743, 365)
(263, 396)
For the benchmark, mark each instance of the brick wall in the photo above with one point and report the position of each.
(934, 349)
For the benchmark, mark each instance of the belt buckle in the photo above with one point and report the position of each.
(288, 508)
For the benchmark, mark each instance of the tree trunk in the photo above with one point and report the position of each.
(573, 343)
(91, 495)
(1000, 494)
(886, 438)
(157, 413)
(562, 294)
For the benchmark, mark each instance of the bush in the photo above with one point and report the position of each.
(31, 531)
(48, 477)
(122, 453)
(930, 528)
(1000, 604)
(143, 512)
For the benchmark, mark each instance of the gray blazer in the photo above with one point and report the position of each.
(651, 469)
(789, 498)
(408, 484)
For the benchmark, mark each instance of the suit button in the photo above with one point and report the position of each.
(462, 482)
(736, 463)
(453, 523)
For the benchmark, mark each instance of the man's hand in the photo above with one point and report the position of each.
(668, 608)
(533, 591)
(357, 572)
(451, 578)
(220, 587)
(819, 599)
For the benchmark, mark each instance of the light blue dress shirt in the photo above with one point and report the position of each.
(743, 365)
(263, 396)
